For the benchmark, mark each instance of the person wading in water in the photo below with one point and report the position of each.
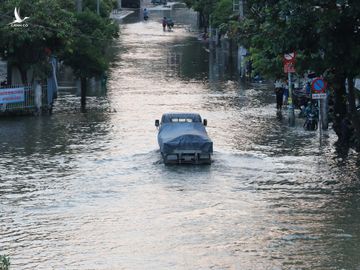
(164, 23)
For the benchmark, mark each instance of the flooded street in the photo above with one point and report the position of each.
(90, 191)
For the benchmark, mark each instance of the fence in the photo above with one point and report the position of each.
(21, 99)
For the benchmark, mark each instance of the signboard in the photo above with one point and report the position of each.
(289, 62)
(357, 84)
(319, 96)
(243, 51)
(12, 95)
(318, 85)
(289, 67)
(290, 57)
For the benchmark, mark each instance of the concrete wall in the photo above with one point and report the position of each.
(3, 70)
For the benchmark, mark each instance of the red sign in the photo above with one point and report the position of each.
(289, 67)
(289, 62)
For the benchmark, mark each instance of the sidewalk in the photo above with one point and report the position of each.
(168, 6)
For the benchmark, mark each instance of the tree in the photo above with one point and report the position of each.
(48, 29)
(222, 12)
(86, 54)
(325, 35)
(106, 6)
(79, 39)
(205, 8)
(4, 262)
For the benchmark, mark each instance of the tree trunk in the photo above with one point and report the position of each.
(354, 116)
(9, 72)
(83, 93)
(202, 21)
(230, 56)
(23, 73)
(339, 104)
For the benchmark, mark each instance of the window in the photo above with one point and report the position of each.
(181, 120)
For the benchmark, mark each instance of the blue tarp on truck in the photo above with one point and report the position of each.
(183, 132)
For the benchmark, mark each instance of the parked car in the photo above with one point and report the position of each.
(182, 138)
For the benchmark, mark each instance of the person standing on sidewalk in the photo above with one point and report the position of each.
(279, 92)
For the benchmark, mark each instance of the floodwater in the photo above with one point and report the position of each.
(89, 190)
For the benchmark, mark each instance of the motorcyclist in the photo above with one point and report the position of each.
(146, 14)
(311, 112)
(170, 23)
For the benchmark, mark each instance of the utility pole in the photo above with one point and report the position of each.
(291, 110)
(79, 5)
(289, 68)
(82, 81)
(241, 9)
(241, 49)
(98, 7)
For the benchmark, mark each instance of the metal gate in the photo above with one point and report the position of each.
(22, 99)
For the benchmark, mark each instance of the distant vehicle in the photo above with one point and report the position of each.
(158, 2)
(170, 23)
(183, 138)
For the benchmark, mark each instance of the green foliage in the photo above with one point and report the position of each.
(222, 12)
(106, 6)
(53, 26)
(49, 26)
(325, 34)
(4, 262)
(217, 12)
(86, 54)
(204, 7)
(267, 64)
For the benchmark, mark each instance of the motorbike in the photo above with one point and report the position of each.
(311, 122)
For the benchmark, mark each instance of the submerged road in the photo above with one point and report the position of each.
(89, 191)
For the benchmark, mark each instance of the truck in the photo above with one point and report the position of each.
(183, 139)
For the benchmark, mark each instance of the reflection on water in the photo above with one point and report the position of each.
(89, 191)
